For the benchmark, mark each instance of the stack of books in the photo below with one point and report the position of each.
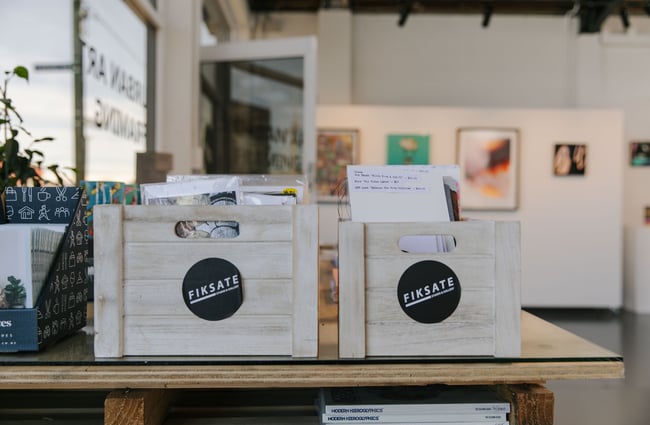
(440, 405)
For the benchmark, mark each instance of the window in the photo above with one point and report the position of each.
(118, 54)
(115, 88)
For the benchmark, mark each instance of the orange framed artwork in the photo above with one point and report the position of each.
(489, 163)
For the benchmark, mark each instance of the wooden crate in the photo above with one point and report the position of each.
(140, 264)
(486, 260)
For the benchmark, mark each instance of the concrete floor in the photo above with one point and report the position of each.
(606, 402)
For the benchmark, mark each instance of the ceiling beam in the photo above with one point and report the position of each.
(591, 13)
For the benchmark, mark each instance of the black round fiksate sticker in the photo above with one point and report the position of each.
(428, 291)
(212, 289)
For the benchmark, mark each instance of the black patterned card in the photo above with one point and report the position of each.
(61, 307)
(3, 216)
(43, 205)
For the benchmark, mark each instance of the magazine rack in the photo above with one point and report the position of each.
(486, 265)
(142, 266)
(61, 307)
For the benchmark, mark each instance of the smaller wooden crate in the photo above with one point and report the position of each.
(140, 264)
(486, 261)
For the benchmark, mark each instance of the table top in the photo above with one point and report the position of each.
(548, 353)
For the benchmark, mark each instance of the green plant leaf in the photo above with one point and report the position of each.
(22, 72)
(11, 148)
(19, 166)
(12, 109)
(33, 152)
(55, 170)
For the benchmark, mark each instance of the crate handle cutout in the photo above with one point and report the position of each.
(193, 229)
(426, 244)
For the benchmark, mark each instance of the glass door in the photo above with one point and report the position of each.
(257, 107)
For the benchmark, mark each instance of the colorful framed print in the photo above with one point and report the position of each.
(408, 149)
(335, 149)
(640, 153)
(569, 159)
(489, 162)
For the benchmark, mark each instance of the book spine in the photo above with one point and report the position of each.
(438, 423)
(415, 418)
(465, 408)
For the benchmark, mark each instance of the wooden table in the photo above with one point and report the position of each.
(548, 353)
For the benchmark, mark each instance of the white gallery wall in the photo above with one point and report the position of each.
(571, 233)
(535, 73)
(519, 62)
(516, 62)
(450, 60)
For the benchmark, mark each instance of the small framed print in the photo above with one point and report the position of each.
(407, 149)
(640, 153)
(335, 150)
(569, 159)
(489, 163)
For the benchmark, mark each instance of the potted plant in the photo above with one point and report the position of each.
(20, 163)
(14, 294)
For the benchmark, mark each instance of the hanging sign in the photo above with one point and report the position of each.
(428, 291)
(212, 289)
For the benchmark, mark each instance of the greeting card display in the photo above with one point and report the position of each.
(44, 291)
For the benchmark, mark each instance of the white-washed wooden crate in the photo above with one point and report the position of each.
(486, 260)
(140, 264)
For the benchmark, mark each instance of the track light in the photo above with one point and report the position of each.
(487, 14)
(404, 12)
(625, 20)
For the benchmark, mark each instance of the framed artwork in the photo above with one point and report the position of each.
(640, 153)
(407, 149)
(489, 163)
(335, 150)
(569, 159)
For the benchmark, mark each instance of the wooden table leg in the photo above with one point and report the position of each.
(532, 404)
(137, 407)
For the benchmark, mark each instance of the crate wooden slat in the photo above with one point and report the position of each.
(508, 277)
(379, 307)
(188, 335)
(258, 292)
(385, 271)
(109, 272)
(352, 302)
(305, 269)
(273, 260)
(486, 260)
(140, 264)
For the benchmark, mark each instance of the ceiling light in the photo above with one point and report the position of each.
(487, 14)
(404, 11)
(625, 20)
